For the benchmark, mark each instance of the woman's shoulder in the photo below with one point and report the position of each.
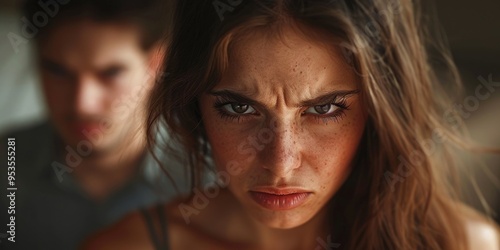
(128, 234)
(189, 225)
(133, 232)
(482, 233)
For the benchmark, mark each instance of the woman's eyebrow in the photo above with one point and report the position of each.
(329, 97)
(228, 94)
(323, 99)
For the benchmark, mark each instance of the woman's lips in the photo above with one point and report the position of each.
(279, 199)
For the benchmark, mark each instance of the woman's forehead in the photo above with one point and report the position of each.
(290, 60)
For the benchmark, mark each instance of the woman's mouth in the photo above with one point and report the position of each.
(279, 199)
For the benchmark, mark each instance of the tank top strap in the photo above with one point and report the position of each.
(160, 242)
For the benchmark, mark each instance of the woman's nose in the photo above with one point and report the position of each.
(283, 153)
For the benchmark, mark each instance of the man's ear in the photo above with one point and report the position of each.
(156, 56)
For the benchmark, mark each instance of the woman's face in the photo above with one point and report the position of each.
(284, 122)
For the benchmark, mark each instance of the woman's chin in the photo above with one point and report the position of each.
(287, 219)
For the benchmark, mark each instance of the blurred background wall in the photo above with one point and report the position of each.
(20, 98)
(473, 31)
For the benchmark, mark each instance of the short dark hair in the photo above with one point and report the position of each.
(152, 17)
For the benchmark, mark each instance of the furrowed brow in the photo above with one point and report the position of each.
(329, 97)
(231, 95)
(323, 99)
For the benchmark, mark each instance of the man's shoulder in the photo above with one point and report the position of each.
(32, 131)
(31, 146)
(29, 141)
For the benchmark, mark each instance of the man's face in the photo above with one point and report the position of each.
(95, 78)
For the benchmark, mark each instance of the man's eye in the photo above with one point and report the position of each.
(322, 109)
(57, 70)
(238, 108)
(111, 73)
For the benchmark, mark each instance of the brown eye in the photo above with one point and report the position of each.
(55, 69)
(239, 108)
(322, 109)
(111, 72)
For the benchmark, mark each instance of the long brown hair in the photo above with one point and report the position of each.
(400, 193)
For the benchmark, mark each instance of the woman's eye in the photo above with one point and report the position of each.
(238, 108)
(322, 109)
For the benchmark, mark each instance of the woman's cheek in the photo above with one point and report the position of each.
(333, 149)
(225, 149)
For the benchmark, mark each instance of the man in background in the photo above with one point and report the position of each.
(88, 164)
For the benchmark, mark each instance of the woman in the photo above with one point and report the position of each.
(325, 124)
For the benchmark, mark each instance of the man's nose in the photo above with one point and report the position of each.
(283, 154)
(88, 97)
